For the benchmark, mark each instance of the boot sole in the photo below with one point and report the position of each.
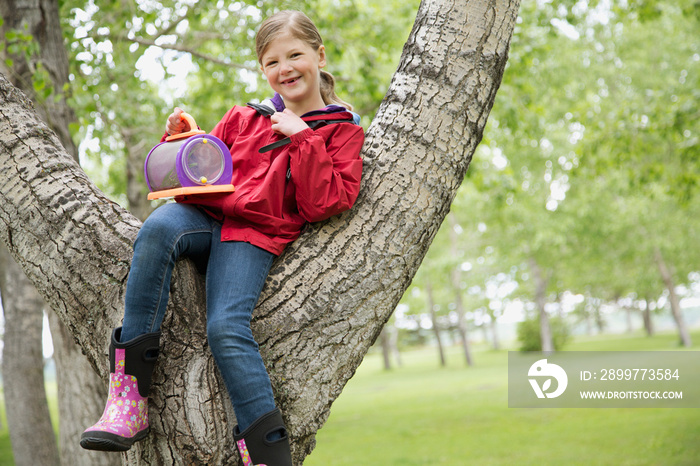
(105, 441)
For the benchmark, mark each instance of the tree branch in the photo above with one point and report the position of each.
(180, 48)
(326, 298)
(172, 25)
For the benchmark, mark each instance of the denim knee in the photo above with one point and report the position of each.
(159, 225)
(230, 339)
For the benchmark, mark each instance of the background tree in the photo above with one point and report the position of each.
(23, 369)
(587, 152)
(34, 57)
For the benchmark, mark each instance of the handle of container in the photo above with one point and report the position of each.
(184, 116)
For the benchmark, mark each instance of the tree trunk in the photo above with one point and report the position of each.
(389, 342)
(43, 23)
(80, 393)
(540, 301)
(456, 286)
(599, 320)
(327, 297)
(433, 318)
(136, 190)
(79, 401)
(386, 348)
(462, 325)
(496, 342)
(394, 344)
(646, 315)
(673, 299)
(31, 433)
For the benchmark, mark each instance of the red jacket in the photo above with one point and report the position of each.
(312, 178)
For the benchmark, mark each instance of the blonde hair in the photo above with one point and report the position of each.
(300, 27)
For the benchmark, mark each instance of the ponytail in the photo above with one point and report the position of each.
(328, 91)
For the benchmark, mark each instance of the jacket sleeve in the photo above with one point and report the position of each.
(326, 168)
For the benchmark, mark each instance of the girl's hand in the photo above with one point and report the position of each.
(175, 124)
(287, 123)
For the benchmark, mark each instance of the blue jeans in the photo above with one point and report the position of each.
(235, 275)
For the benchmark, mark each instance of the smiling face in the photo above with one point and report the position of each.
(292, 68)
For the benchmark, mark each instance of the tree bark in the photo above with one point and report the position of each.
(673, 299)
(327, 297)
(31, 433)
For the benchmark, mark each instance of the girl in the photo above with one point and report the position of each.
(295, 160)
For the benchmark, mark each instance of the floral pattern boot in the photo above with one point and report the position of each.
(125, 417)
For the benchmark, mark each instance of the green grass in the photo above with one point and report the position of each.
(421, 414)
(5, 445)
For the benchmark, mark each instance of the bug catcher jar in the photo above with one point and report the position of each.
(188, 163)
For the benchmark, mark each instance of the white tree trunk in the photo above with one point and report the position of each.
(675, 302)
(327, 297)
(456, 276)
(430, 301)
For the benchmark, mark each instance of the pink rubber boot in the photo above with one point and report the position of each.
(125, 418)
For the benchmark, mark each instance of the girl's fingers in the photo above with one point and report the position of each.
(175, 124)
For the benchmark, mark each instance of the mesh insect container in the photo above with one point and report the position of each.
(188, 163)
